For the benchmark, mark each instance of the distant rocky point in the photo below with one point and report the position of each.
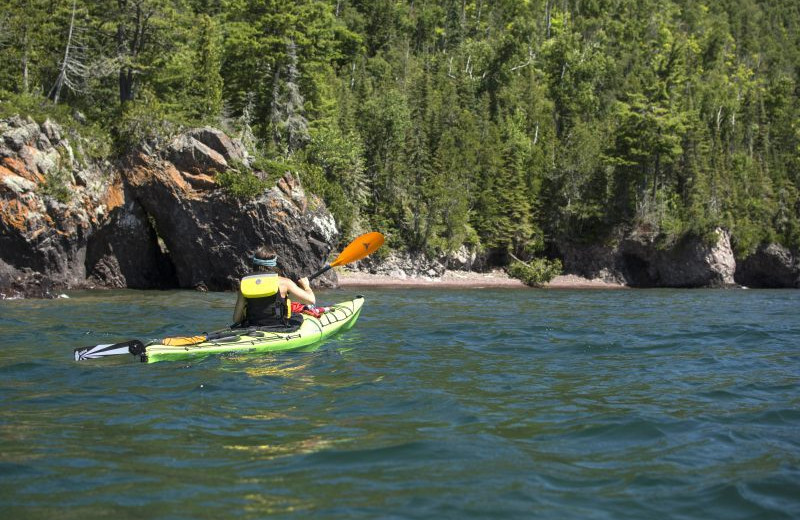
(636, 259)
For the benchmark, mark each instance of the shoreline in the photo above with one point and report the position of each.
(496, 279)
(467, 280)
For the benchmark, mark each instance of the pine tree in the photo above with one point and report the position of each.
(207, 82)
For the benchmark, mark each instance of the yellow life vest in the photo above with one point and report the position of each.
(259, 285)
(263, 286)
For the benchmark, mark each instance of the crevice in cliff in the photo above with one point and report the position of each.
(164, 263)
(637, 271)
(126, 252)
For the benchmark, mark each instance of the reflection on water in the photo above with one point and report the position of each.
(301, 447)
(438, 404)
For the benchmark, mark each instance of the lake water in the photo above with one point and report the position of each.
(437, 404)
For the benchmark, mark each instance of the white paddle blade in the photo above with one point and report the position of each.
(111, 349)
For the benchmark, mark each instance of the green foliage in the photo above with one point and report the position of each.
(537, 272)
(271, 170)
(57, 185)
(141, 123)
(240, 182)
(207, 83)
(335, 170)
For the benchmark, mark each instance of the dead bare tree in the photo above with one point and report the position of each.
(73, 70)
(289, 122)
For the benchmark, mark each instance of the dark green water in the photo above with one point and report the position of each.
(438, 404)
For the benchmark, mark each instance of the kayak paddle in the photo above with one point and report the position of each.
(133, 346)
(359, 248)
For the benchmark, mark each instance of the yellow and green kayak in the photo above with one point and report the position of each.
(312, 332)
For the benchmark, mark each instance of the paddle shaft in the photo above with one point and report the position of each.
(133, 346)
(320, 272)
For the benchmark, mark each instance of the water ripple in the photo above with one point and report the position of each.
(438, 404)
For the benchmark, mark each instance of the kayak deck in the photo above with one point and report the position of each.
(337, 318)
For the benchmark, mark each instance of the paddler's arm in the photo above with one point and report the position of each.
(238, 311)
(301, 293)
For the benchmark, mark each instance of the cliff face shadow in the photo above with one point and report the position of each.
(636, 270)
(127, 252)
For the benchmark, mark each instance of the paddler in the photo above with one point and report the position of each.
(264, 296)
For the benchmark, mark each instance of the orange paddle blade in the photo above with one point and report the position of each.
(359, 248)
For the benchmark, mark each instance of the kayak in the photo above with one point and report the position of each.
(313, 331)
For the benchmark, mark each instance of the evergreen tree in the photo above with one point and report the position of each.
(26, 46)
(498, 124)
(207, 82)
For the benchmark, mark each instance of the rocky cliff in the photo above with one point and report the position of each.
(156, 219)
(771, 266)
(640, 260)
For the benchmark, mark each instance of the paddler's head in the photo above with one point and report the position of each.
(266, 260)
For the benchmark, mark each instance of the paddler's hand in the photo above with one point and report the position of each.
(304, 284)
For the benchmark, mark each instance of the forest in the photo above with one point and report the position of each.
(502, 125)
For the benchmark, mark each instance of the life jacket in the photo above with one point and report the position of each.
(264, 305)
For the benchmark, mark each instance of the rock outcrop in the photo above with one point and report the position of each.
(771, 266)
(210, 236)
(157, 219)
(639, 261)
(126, 252)
(402, 264)
(50, 205)
(405, 264)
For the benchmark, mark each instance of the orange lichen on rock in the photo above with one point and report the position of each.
(5, 172)
(14, 214)
(136, 173)
(200, 181)
(175, 177)
(114, 196)
(143, 172)
(19, 168)
(36, 233)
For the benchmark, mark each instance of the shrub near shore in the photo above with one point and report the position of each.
(537, 272)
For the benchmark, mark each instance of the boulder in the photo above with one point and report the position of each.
(771, 266)
(233, 151)
(190, 155)
(211, 236)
